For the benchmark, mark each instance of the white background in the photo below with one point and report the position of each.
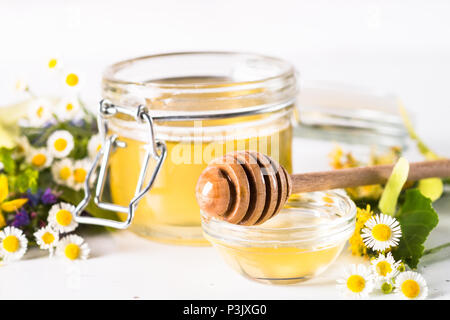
(401, 47)
(396, 46)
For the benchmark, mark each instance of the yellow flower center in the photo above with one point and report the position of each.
(69, 107)
(328, 199)
(60, 144)
(48, 238)
(64, 217)
(381, 232)
(65, 173)
(52, 63)
(11, 243)
(79, 175)
(99, 147)
(383, 268)
(72, 251)
(356, 283)
(410, 288)
(39, 160)
(72, 79)
(40, 111)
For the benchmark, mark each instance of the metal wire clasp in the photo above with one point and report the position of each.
(154, 150)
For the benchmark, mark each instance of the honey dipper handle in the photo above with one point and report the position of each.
(353, 177)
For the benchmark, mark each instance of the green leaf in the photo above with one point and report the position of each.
(389, 197)
(9, 164)
(417, 218)
(28, 179)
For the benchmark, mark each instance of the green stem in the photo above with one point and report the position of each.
(436, 249)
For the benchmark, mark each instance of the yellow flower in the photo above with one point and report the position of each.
(53, 63)
(8, 206)
(72, 79)
(342, 160)
(357, 245)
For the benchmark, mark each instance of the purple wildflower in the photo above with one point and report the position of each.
(21, 219)
(48, 197)
(33, 198)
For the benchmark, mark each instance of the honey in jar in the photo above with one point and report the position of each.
(203, 105)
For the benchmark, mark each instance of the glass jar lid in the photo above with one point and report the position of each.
(348, 114)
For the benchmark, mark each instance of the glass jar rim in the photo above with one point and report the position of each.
(110, 73)
(316, 234)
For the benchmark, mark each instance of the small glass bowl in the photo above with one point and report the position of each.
(299, 243)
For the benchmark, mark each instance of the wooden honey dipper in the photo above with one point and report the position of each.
(248, 188)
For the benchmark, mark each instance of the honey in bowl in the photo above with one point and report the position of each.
(300, 242)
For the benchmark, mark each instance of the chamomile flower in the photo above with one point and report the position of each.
(46, 238)
(13, 244)
(39, 112)
(386, 287)
(69, 109)
(39, 158)
(60, 143)
(73, 248)
(357, 282)
(385, 267)
(381, 232)
(60, 217)
(22, 147)
(80, 171)
(72, 79)
(94, 145)
(62, 172)
(411, 285)
(54, 63)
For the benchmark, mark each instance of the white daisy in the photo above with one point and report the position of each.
(411, 285)
(386, 287)
(72, 79)
(357, 282)
(60, 143)
(80, 171)
(69, 109)
(54, 63)
(46, 237)
(73, 248)
(39, 158)
(62, 172)
(22, 147)
(381, 232)
(60, 217)
(94, 145)
(39, 112)
(385, 267)
(13, 244)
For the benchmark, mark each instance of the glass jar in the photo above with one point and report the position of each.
(203, 104)
(300, 242)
